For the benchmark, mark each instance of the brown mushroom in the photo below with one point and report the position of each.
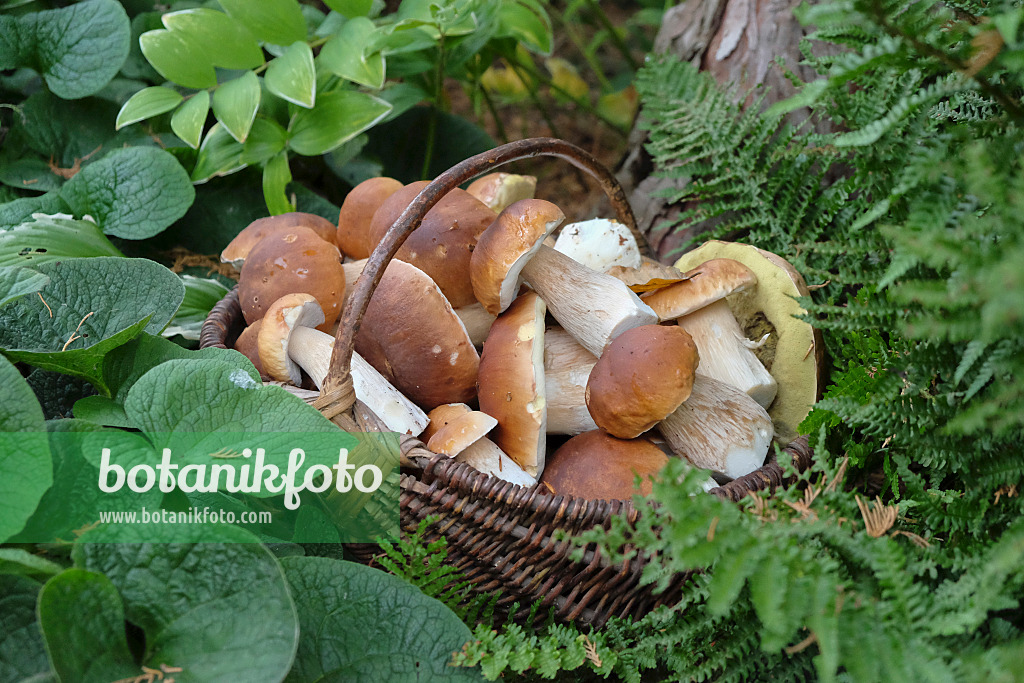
(357, 211)
(598, 466)
(249, 237)
(464, 438)
(246, 345)
(498, 190)
(567, 366)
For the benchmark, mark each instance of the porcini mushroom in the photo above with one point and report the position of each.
(598, 466)
(697, 303)
(357, 211)
(594, 308)
(567, 366)
(498, 190)
(288, 341)
(599, 244)
(465, 438)
(238, 249)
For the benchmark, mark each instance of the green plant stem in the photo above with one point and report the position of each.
(592, 62)
(428, 149)
(491, 107)
(537, 101)
(616, 38)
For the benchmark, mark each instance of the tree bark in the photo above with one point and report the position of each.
(736, 41)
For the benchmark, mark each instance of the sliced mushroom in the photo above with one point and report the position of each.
(464, 437)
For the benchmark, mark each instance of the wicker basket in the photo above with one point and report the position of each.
(501, 536)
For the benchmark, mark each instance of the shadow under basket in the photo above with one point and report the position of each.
(499, 535)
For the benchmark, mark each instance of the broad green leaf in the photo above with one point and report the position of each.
(221, 210)
(450, 18)
(235, 103)
(45, 239)
(66, 132)
(402, 97)
(528, 22)
(398, 39)
(201, 295)
(338, 117)
(16, 282)
(77, 49)
(351, 8)
(146, 103)
(359, 623)
(292, 76)
(276, 176)
(25, 474)
(349, 55)
(82, 620)
(187, 123)
(132, 193)
(266, 139)
(13, 214)
(89, 307)
(273, 21)
(219, 155)
(101, 410)
(57, 392)
(221, 610)
(22, 650)
(225, 40)
(178, 58)
(30, 173)
(17, 561)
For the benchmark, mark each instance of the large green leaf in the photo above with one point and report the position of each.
(349, 54)
(89, 307)
(19, 211)
(77, 49)
(527, 21)
(266, 139)
(25, 471)
(179, 58)
(22, 651)
(235, 103)
(273, 21)
(82, 619)
(187, 122)
(68, 134)
(132, 193)
(361, 624)
(338, 117)
(351, 8)
(219, 609)
(45, 239)
(292, 76)
(16, 282)
(20, 562)
(219, 155)
(146, 103)
(225, 40)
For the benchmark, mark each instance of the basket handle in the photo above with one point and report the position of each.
(337, 396)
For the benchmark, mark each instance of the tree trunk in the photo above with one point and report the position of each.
(737, 41)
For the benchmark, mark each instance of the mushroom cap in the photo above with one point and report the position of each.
(599, 244)
(238, 248)
(709, 282)
(461, 433)
(283, 316)
(442, 416)
(246, 345)
(598, 466)
(411, 335)
(506, 246)
(356, 213)
(512, 382)
(498, 190)
(294, 260)
(443, 243)
(643, 375)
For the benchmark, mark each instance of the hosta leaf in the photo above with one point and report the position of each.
(273, 21)
(235, 103)
(89, 307)
(220, 609)
(187, 123)
(146, 103)
(349, 55)
(25, 472)
(338, 117)
(179, 58)
(22, 651)
(133, 193)
(16, 282)
(359, 623)
(276, 176)
(219, 155)
(82, 620)
(77, 49)
(51, 238)
(292, 76)
(225, 40)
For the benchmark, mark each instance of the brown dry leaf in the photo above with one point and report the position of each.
(877, 519)
(984, 48)
(656, 283)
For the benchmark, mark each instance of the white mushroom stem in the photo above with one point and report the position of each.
(311, 349)
(485, 456)
(567, 367)
(725, 353)
(594, 308)
(352, 270)
(719, 428)
(599, 244)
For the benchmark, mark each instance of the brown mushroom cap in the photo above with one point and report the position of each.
(709, 282)
(643, 375)
(237, 250)
(598, 466)
(461, 433)
(442, 416)
(283, 316)
(357, 211)
(291, 261)
(506, 246)
(498, 190)
(411, 335)
(443, 243)
(246, 345)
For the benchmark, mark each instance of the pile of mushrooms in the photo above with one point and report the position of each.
(495, 326)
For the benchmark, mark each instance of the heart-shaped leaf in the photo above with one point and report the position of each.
(358, 623)
(218, 608)
(187, 123)
(235, 103)
(292, 76)
(349, 54)
(225, 40)
(25, 466)
(338, 117)
(16, 282)
(51, 238)
(146, 103)
(178, 57)
(22, 651)
(279, 22)
(134, 193)
(78, 49)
